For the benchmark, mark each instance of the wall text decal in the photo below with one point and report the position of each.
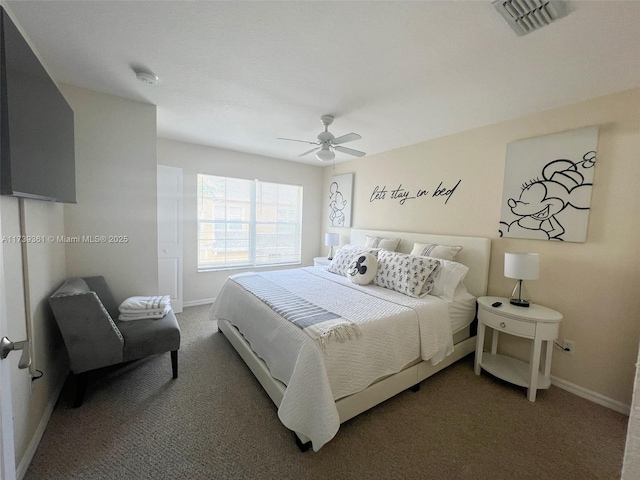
(401, 194)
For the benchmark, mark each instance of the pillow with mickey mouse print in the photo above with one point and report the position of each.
(405, 273)
(362, 268)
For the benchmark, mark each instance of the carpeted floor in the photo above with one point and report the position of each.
(216, 422)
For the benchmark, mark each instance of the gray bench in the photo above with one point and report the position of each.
(87, 316)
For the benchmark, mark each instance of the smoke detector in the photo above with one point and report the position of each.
(525, 16)
(146, 77)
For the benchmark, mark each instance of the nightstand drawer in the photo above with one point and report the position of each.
(509, 325)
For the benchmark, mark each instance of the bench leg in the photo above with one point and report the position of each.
(81, 388)
(174, 363)
(302, 446)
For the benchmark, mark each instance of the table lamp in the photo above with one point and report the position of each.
(331, 240)
(521, 266)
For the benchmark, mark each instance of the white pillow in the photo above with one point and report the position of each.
(445, 252)
(379, 242)
(447, 281)
(461, 291)
(404, 273)
(362, 268)
(343, 258)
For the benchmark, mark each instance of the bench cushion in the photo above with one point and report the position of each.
(149, 337)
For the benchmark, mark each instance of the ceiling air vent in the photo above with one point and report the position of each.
(525, 16)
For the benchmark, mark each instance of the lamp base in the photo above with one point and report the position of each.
(519, 302)
(520, 295)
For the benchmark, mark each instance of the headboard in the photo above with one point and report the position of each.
(475, 253)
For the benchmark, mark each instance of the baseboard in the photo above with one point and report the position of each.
(21, 470)
(195, 303)
(591, 395)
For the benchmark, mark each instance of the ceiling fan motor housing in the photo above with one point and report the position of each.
(325, 137)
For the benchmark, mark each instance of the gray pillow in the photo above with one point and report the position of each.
(381, 242)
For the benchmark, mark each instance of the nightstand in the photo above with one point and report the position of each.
(321, 261)
(537, 323)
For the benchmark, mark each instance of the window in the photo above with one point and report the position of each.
(245, 223)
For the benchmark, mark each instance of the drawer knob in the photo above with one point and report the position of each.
(503, 325)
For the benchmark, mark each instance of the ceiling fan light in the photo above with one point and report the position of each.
(325, 155)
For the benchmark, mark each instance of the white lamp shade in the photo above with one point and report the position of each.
(331, 239)
(522, 266)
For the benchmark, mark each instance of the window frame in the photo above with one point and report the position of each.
(253, 225)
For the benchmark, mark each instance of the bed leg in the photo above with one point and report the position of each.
(415, 388)
(302, 446)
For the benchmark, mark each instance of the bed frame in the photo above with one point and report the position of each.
(475, 254)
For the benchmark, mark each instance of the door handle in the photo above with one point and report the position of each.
(7, 346)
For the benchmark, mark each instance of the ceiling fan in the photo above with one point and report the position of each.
(327, 143)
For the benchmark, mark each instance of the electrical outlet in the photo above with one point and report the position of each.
(569, 346)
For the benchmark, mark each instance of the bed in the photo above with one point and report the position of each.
(319, 384)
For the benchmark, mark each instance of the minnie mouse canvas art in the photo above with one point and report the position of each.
(553, 202)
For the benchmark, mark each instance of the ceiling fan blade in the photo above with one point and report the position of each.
(294, 140)
(307, 153)
(349, 137)
(350, 151)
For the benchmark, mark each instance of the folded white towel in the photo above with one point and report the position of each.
(153, 304)
(143, 315)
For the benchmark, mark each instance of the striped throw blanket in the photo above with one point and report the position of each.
(320, 324)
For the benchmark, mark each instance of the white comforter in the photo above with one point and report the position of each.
(396, 330)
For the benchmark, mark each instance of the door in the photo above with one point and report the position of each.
(7, 455)
(170, 253)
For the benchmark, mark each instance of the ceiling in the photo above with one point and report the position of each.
(237, 75)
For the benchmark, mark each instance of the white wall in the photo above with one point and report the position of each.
(593, 284)
(46, 262)
(116, 192)
(194, 159)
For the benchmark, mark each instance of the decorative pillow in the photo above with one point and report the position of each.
(379, 242)
(431, 279)
(403, 273)
(362, 268)
(448, 278)
(343, 258)
(444, 252)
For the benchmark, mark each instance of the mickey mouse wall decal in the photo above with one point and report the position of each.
(340, 200)
(337, 204)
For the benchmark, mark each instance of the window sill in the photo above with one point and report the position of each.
(246, 267)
